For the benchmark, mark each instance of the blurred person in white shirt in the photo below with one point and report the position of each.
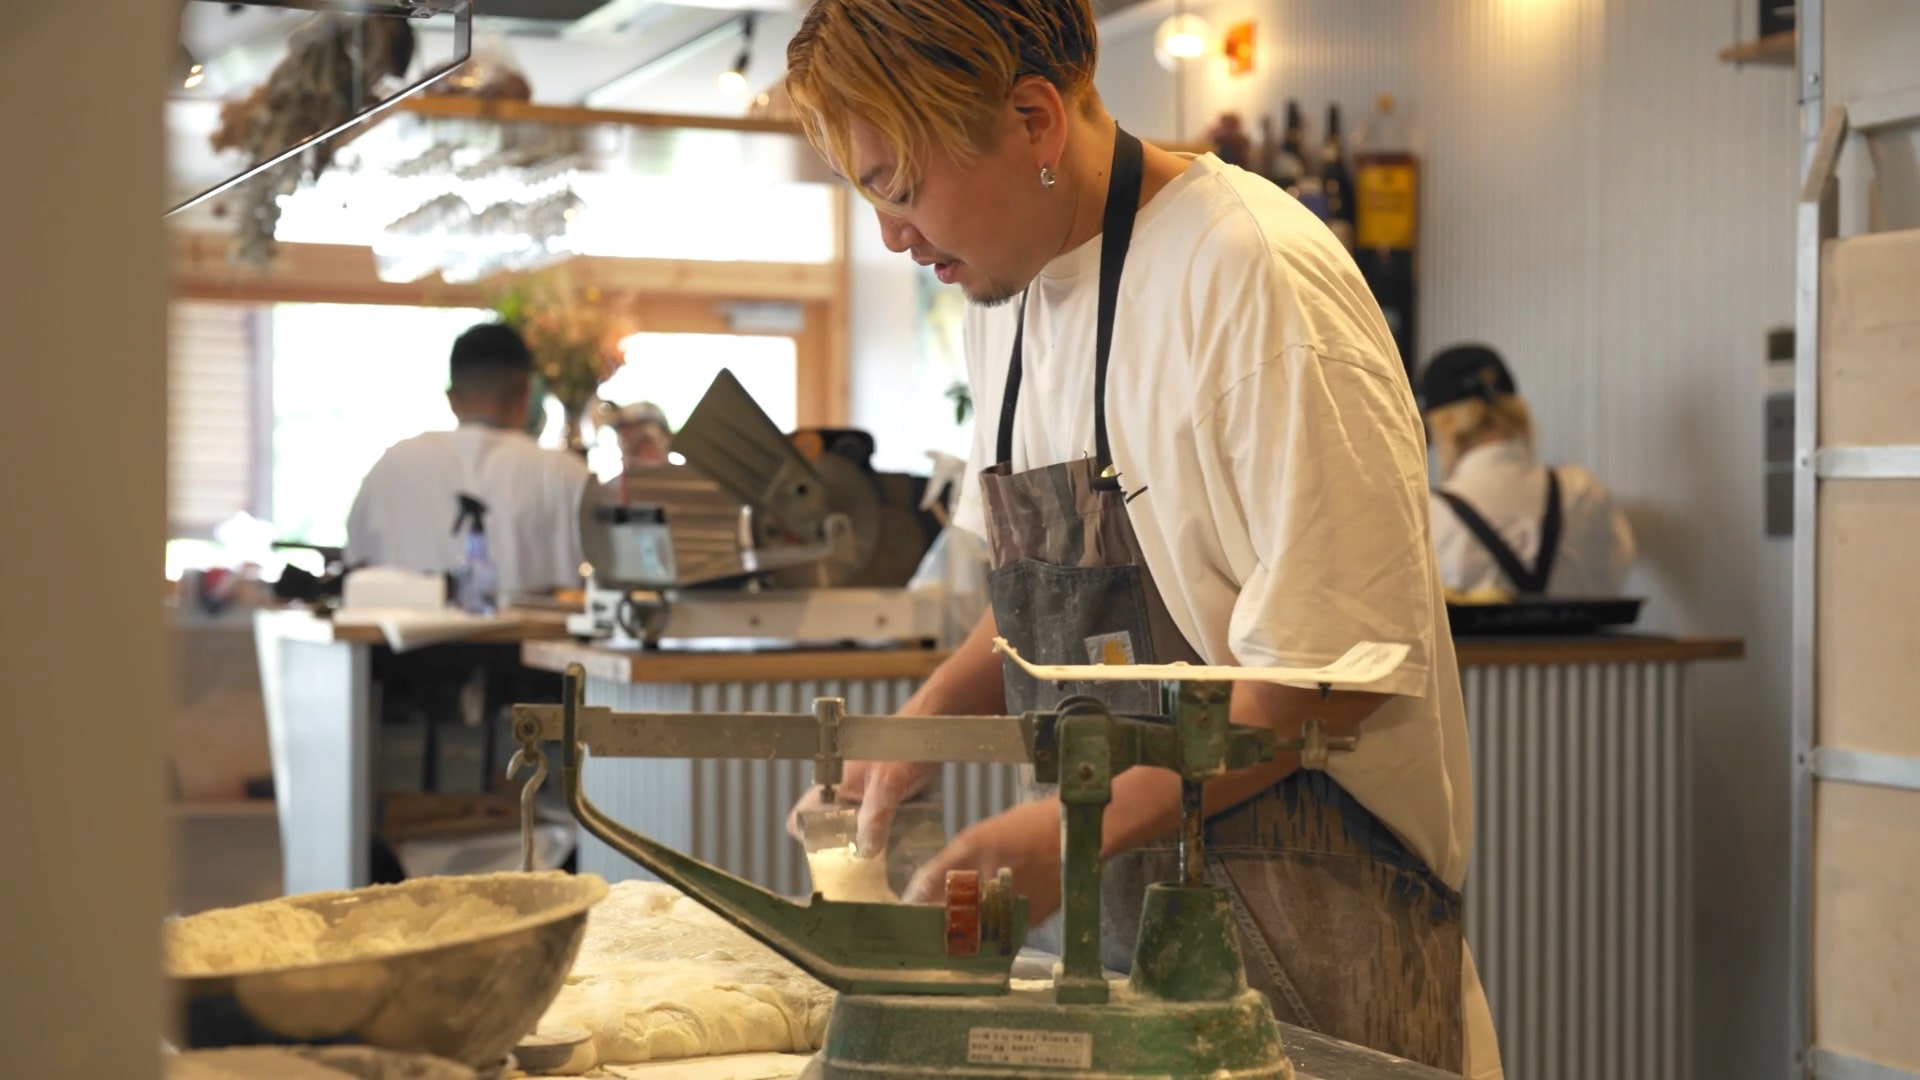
(1503, 523)
(405, 513)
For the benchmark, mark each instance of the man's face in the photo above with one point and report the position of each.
(986, 225)
(642, 444)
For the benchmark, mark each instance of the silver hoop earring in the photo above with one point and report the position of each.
(1048, 177)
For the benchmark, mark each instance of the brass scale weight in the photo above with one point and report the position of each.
(925, 988)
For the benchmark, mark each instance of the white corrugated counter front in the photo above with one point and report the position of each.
(1580, 887)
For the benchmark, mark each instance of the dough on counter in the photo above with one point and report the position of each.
(660, 978)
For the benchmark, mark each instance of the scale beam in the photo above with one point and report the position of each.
(1002, 740)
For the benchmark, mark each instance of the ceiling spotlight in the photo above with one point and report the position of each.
(1180, 38)
(733, 81)
(196, 75)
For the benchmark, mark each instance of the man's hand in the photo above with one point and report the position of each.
(1025, 839)
(968, 683)
(879, 788)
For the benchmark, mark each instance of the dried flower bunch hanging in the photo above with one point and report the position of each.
(334, 67)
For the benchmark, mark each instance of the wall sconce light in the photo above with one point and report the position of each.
(1181, 38)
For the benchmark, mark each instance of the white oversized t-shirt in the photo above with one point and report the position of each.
(405, 511)
(1266, 434)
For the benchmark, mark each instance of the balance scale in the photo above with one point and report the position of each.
(925, 989)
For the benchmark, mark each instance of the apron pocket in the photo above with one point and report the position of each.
(1369, 952)
(1073, 615)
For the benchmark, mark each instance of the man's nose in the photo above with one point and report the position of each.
(895, 232)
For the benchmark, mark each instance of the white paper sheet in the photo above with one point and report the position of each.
(1365, 663)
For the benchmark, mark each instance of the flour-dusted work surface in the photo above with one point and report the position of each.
(661, 979)
(732, 1067)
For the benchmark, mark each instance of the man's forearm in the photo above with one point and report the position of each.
(1146, 801)
(967, 683)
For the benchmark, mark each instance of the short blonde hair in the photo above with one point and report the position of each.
(1472, 421)
(928, 73)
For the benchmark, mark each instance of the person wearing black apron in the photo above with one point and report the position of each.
(1342, 925)
(1503, 524)
(1068, 569)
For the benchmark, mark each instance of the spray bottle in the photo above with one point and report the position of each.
(476, 583)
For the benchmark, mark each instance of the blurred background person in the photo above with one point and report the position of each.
(407, 510)
(645, 435)
(1503, 522)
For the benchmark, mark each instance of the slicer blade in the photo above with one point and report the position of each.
(731, 440)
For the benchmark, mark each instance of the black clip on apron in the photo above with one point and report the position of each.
(1344, 930)
(1526, 582)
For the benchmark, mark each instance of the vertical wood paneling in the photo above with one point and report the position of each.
(1577, 896)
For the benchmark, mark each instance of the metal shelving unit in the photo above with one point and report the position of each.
(1828, 125)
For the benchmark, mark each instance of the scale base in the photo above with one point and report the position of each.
(1026, 1035)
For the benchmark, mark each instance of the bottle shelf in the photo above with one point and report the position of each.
(1779, 50)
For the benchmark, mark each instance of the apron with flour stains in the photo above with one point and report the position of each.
(1346, 931)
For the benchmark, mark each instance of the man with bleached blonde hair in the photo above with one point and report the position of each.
(1195, 442)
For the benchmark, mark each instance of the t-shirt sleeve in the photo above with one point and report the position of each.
(1323, 459)
(363, 542)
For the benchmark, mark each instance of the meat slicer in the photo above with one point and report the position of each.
(929, 989)
(759, 535)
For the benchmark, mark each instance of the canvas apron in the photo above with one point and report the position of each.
(1346, 931)
(1527, 582)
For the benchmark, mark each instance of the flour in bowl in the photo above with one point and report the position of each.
(282, 934)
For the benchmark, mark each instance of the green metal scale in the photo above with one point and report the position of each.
(927, 989)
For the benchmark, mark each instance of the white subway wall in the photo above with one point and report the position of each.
(1612, 208)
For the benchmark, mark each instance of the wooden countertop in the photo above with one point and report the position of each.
(507, 628)
(1593, 649)
(670, 666)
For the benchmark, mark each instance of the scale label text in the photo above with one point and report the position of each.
(1012, 1046)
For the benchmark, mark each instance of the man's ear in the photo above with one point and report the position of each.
(1039, 113)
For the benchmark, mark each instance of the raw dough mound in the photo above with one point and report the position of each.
(661, 978)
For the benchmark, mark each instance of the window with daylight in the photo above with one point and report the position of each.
(674, 370)
(348, 382)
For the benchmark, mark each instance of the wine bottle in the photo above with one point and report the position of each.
(1386, 188)
(1291, 164)
(1335, 182)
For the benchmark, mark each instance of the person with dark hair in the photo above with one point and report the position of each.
(1505, 525)
(408, 507)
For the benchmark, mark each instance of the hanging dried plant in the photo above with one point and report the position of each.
(334, 67)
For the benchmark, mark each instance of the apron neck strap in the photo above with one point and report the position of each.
(1124, 185)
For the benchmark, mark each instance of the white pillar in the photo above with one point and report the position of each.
(83, 663)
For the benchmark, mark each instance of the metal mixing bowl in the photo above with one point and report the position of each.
(468, 1001)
